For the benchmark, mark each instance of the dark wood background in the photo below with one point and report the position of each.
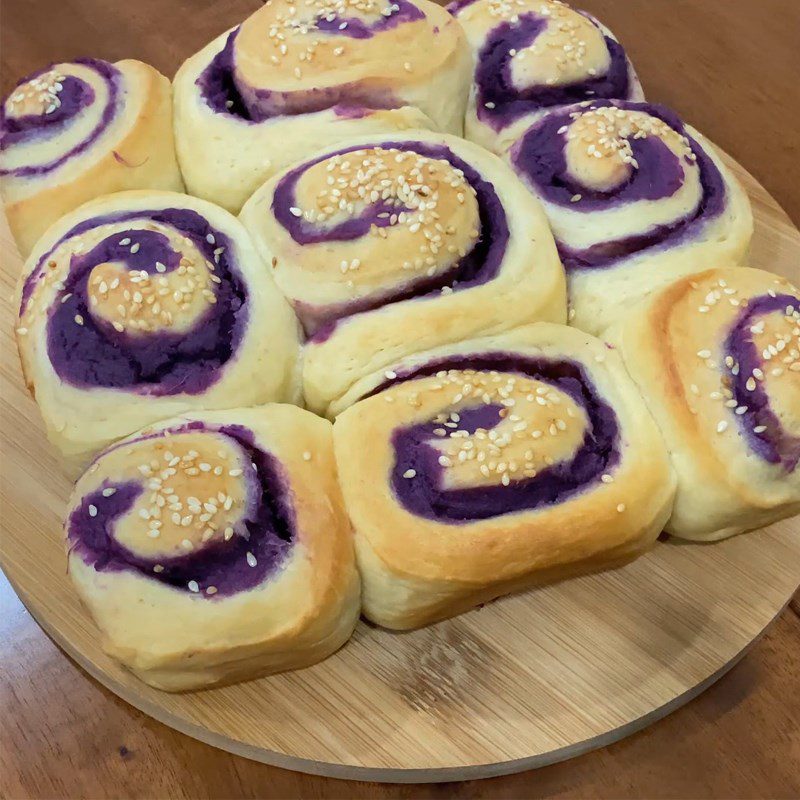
(730, 67)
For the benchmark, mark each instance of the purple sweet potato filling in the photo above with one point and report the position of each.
(227, 94)
(424, 494)
(75, 97)
(267, 529)
(355, 28)
(507, 103)
(478, 266)
(538, 157)
(774, 444)
(94, 354)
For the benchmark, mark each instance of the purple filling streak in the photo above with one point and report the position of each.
(539, 158)
(774, 444)
(356, 28)
(222, 92)
(425, 496)
(154, 364)
(494, 84)
(480, 265)
(267, 529)
(75, 97)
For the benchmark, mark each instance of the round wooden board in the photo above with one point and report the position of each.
(522, 682)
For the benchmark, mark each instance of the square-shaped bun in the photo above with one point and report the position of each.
(214, 547)
(481, 468)
(717, 358)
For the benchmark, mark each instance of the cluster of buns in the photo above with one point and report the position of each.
(524, 353)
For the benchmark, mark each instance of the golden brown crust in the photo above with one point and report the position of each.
(673, 347)
(305, 610)
(143, 158)
(414, 566)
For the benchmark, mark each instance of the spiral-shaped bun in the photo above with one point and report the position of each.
(717, 357)
(390, 246)
(295, 75)
(141, 305)
(495, 464)
(78, 130)
(214, 547)
(635, 199)
(531, 56)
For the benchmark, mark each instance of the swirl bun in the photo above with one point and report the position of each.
(635, 199)
(389, 246)
(493, 465)
(141, 305)
(77, 130)
(294, 75)
(717, 357)
(214, 547)
(534, 55)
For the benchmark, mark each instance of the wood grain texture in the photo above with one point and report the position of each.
(521, 682)
(726, 65)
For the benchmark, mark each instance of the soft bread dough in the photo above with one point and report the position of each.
(225, 157)
(528, 283)
(135, 150)
(416, 568)
(179, 638)
(80, 420)
(614, 203)
(674, 346)
(570, 54)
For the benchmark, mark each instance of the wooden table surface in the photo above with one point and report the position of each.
(729, 67)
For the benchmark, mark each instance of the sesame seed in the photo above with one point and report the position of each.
(251, 560)
(306, 456)
(621, 507)
(193, 586)
(410, 473)
(722, 426)
(92, 511)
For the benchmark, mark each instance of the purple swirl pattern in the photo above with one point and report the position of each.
(216, 562)
(136, 346)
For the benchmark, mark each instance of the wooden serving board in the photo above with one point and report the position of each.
(522, 682)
